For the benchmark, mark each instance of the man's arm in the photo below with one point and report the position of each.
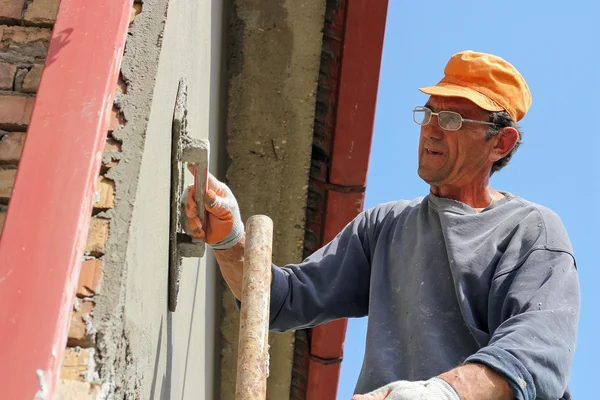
(332, 283)
(533, 316)
(467, 382)
(224, 230)
(231, 263)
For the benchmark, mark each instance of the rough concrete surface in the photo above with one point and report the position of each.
(145, 352)
(273, 65)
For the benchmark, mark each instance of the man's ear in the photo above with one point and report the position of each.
(504, 142)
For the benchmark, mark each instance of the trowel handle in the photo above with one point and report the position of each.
(197, 153)
(201, 184)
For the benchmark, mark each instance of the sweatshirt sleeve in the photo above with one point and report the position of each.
(533, 316)
(332, 283)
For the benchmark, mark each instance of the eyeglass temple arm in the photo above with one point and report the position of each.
(479, 122)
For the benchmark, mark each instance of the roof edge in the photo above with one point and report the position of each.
(346, 100)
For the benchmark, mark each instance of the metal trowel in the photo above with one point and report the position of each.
(184, 149)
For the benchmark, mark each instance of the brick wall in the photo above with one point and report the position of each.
(25, 30)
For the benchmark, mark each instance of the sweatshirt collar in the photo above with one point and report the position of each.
(444, 204)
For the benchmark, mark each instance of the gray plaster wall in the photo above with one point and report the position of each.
(144, 351)
(272, 68)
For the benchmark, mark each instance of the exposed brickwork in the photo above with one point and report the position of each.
(121, 86)
(10, 11)
(112, 145)
(76, 363)
(135, 10)
(23, 46)
(19, 78)
(74, 390)
(7, 180)
(300, 366)
(97, 236)
(81, 331)
(28, 13)
(89, 278)
(15, 111)
(32, 79)
(116, 119)
(41, 13)
(7, 75)
(11, 145)
(105, 190)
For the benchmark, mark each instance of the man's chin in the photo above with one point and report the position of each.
(431, 178)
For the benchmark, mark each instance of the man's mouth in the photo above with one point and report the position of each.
(434, 152)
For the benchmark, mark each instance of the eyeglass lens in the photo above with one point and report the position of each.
(448, 120)
(422, 116)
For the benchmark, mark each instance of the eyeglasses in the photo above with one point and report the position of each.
(447, 120)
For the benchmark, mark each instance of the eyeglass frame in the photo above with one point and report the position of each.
(462, 119)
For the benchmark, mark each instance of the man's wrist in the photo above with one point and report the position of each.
(475, 381)
(445, 388)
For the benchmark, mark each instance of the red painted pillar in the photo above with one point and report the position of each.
(46, 226)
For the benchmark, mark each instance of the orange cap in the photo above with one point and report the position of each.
(487, 80)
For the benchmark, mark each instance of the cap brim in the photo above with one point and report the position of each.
(451, 90)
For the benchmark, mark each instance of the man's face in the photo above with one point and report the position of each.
(454, 158)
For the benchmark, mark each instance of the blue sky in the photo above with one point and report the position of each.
(554, 44)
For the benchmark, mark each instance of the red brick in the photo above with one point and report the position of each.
(75, 390)
(41, 13)
(106, 166)
(116, 119)
(112, 145)
(7, 182)
(80, 333)
(32, 79)
(15, 112)
(24, 44)
(7, 75)
(135, 10)
(97, 236)
(75, 364)
(106, 189)
(2, 218)
(19, 78)
(10, 11)
(89, 278)
(13, 36)
(121, 86)
(11, 146)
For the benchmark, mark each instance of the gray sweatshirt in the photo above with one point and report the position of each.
(443, 285)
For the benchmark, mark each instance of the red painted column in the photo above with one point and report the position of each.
(46, 226)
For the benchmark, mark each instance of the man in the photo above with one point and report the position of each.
(471, 293)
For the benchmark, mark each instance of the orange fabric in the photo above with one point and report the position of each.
(487, 80)
(219, 219)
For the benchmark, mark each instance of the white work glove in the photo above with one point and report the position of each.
(224, 226)
(432, 389)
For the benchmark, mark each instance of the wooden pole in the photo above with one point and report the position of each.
(252, 368)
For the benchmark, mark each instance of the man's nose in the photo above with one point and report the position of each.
(432, 130)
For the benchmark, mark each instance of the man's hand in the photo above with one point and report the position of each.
(432, 389)
(224, 227)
